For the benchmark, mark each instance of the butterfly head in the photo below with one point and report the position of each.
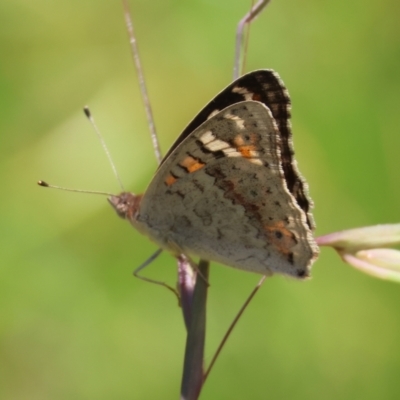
(125, 204)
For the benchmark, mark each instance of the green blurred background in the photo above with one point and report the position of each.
(74, 323)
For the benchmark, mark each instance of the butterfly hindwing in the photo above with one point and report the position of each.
(221, 194)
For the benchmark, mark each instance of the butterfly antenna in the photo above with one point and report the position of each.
(89, 116)
(45, 184)
(142, 82)
(247, 19)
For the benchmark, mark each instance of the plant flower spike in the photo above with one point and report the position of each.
(367, 249)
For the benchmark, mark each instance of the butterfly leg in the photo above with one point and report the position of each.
(143, 278)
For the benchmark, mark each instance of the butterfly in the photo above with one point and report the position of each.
(229, 189)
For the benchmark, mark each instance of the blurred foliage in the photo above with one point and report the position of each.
(74, 323)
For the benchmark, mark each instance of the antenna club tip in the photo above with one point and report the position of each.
(87, 112)
(43, 183)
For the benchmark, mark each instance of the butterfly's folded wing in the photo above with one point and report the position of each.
(221, 194)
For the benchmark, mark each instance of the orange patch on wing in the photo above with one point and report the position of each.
(170, 180)
(191, 164)
(247, 151)
(281, 237)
